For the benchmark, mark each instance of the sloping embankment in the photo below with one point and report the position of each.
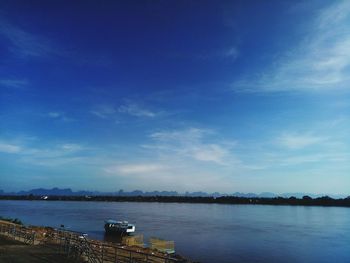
(76, 246)
(16, 252)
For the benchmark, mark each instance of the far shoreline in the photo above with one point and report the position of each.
(278, 201)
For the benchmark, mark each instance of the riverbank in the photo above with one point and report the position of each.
(305, 201)
(74, 245)
(16, 252)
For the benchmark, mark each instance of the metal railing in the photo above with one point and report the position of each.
(18, 232)
(76, 245)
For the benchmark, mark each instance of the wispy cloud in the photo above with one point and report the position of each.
(193, 143)
(71, 147)
(13, 83)
(9, 148)
(320, 62)
(323, 144)
(186, 136)
(166, 176)
(107, 111)
(55, 115)
(135, 110)
(210, 153)
(104, 111)
(232, 53)
(319, 158)
(25, 44)
(143, 168)
(229, 53)
(299, 141)
(189, 158)
(50, 154)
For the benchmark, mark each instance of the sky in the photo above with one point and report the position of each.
(226, 96)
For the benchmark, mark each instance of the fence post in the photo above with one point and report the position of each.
(60, 239)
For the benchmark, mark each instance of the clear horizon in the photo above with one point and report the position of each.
(208, 96)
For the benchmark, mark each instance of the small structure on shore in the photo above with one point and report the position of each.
(162, 245)
(135, 240)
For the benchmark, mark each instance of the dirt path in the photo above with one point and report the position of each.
(15, 252)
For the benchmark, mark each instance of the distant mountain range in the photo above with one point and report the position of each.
(68, 192)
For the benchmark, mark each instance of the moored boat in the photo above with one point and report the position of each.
(119, 227)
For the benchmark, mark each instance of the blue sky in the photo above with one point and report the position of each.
(248, 96)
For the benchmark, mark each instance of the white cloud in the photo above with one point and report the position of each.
(210, 153)
(320, 62)
(193, 143)
(142, 169)
(184, 159)
(54, 114)
(187, 135)
(53, 151)
(9, 148)
(334, 14)
(135, 110)
(51, 154)
(166, 175)
(106, 111)
(299, 141)
(71, 147)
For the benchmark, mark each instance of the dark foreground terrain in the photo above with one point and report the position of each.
(16, 252)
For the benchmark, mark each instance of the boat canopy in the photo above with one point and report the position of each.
(111, 221)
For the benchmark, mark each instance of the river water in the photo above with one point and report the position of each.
(209, 232)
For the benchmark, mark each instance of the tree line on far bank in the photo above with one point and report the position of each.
(305, 200)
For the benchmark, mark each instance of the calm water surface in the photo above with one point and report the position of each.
(210, 232)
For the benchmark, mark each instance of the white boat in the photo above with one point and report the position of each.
(119, 227)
